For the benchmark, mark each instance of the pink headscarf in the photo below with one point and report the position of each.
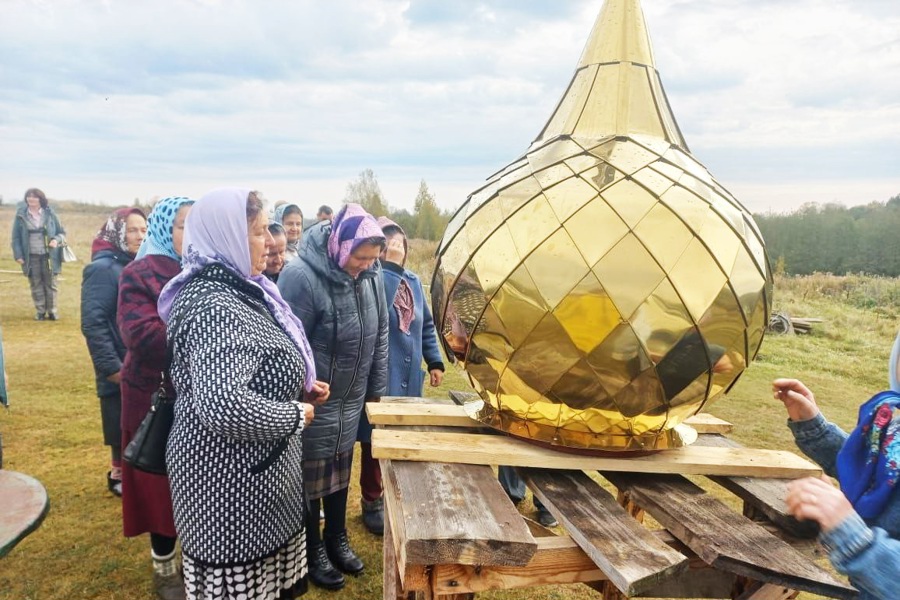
(352, 227)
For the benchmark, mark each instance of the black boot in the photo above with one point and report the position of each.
(321, 572)
(342, 555)
(373, 516)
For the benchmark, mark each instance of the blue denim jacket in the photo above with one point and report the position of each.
(867, 552)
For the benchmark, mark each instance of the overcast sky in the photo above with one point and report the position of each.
(785, 101)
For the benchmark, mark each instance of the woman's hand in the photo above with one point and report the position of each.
(437, 376)
(53, 243)
(319, 393)
(21, 261)
(115, 377)
(798, 400)
(813, 499)
(309, 412)
(395, 252)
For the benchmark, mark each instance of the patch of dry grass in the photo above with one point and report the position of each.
(53, 430)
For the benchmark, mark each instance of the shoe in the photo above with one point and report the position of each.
(321, 572)
(39, 317)
(113, 485)
(373, 516)
(546, 518)
(169, 587)
(53, 316)
(342, 555)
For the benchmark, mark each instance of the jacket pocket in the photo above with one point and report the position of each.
(271, 458)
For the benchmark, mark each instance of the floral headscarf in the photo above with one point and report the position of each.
(216, 233)
(352, 227)
(159, 228)
(112, 235)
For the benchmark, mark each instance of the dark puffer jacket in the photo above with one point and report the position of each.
(346, 322)
(53, 230)
(99, 302)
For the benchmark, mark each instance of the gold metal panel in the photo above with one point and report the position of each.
(569, 196)
(611, 318)
(664, 235)
(558, 266)
(629, 274)
(630, 201)
(595, 229)
(696, 291)
(587, 314)
(532, 224)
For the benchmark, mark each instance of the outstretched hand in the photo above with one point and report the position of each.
(319, 393)
(797, 399)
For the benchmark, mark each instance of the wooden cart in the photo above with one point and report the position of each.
(451, 531)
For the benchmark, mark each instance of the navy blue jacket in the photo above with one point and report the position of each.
(99, 299)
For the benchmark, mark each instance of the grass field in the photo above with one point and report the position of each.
(52, 431)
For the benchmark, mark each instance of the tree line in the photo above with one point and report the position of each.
(427, 221)
(832, 238)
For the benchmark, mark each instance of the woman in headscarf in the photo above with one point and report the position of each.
(412, 339)
(115, 245)
(146, 501)
(860, 522)
(336, 290)
(245, 381)
(276, 256)
(290, 217)
(37, 240)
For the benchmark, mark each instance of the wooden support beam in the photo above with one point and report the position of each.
(763, 495)
(452, 513)
(628, 553)
(724, 539)
(479, 449)
(396, 410)
(767, 591)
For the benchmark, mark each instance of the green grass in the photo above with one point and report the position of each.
(52, 431)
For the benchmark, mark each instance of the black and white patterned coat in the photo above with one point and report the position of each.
(234, 453)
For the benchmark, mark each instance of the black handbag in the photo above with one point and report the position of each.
(147, 450)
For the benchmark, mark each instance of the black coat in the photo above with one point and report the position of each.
(99, 301)
(346, 322)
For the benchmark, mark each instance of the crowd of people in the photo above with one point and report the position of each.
(273, 337)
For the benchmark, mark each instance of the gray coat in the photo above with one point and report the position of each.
(346, 322)
(53, 230)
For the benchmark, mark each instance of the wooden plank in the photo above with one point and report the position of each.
(452, 513)
(23, 508)
(765, 495)
(480, 449)
(767, 591)
(724, 539)
(392, 586)
(396, 410)
(627, 552)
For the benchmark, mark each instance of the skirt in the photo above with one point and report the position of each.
(327, 476)
(278, 577)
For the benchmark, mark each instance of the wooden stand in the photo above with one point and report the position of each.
(451, 532)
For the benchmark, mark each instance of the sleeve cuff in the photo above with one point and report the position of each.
(848, 539)
(810, 429)
(436, 365)
(299, 420)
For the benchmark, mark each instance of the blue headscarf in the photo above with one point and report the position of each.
(868, 464)
(159, 228)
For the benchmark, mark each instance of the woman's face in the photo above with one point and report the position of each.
(178, 227)
(135, 232)
(275, 258)
(260, 240)
(293, 226)
(361, 259)
(33, 202)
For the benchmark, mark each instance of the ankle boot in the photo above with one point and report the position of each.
(321, 572)
(167, 580)
(373, 516)
(342, 555)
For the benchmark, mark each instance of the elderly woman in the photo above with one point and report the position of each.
(276, 256)
(860, 522)
(290, 217)
(412, 340)
(335, 287)
(146, 501)
(241, 367)
(37, 237)
(114, 247)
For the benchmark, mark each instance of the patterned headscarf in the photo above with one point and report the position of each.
(404, 300)
(112, 235)
(352, 227)
(159, 228)
(216, 233)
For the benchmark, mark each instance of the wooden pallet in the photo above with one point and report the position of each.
(452, 532)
